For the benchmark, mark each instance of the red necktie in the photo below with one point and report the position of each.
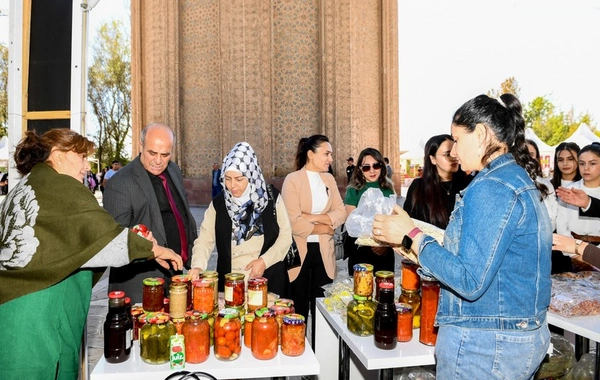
(180, 226)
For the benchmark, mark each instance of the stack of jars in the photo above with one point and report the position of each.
(361, 309)
(410, 291)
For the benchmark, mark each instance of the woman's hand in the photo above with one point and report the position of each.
(379, 251)
(164, 256)
(392, 228)
(312, 218)
(566, 244)
(575, 197)
(150, 237)
(256, 267)
(194, 273)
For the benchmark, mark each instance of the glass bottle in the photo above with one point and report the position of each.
(386, 318)
(177, 299)
(257, 293)
(264, 334)
(196, 331)
(187, 280)
(228, 334)
(405, 325)
(204, 291)
(410, 277)
(117, 333)
(363, 280)
(292, 335)
(154, 294)
(413, 298)
(155, 338)
(234, 289)
(430, 288)
(361, 311)
(382, 276)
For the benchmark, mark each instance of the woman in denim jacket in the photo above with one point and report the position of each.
(494, 267)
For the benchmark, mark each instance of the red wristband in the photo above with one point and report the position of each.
(414, 232)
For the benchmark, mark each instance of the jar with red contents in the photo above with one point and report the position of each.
(235, 290)
(382, 276)
(404, 331)
(178, 323)
(264, 334)
(257, 293)
(228, 335)
(410, 277)
(153, 295)
(430, 295)
(196, 331)
(287, 303)
(280, 311)
(187, 280)
(292, 335)
(214, 277)
(204, 295)
(248, 320)
(136, 311)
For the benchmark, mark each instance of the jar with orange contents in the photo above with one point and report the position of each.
(248, 320)
(257, 293)
(430, 289)
(214, 277)
(196, 331)
(292, 335)
(413, 298)
(363, 280)
(264, 334)
(228, 335)
(410, 277)
(280, 311)
(178, 322)
(204, 295)
(234, 289)
(404, 331)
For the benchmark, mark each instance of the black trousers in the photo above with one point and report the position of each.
(308, 285)
(365, 255)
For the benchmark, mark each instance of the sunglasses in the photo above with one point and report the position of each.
(366, 168)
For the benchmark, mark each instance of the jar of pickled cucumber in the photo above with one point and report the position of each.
(154, 338)
(413, 298)
(228, 335)
(361, 311)
(363, 280)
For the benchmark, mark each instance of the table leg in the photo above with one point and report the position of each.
(597, 366)
(344, 362)
(386, 374)
(581, 346)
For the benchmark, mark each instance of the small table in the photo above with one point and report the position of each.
(244, 367)
(335, 344)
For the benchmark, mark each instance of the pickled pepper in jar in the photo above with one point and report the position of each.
(264, 334)
(292, 335)
(228, 335)
(363, 280)
(257, 293)
(196, 331)
(177, 299)
(153, 295)
(410, 277)
(234, 289)
(404, 331)
(155, 338)
(187, 280)
(361, 312)
(430, 289)
(204, 295)
(382, 276)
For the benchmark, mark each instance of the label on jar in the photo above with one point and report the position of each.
(255, 297)
(229, 293)
(128, 339)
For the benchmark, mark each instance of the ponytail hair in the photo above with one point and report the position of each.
(304, 145)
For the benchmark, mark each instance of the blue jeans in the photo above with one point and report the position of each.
(463, 353)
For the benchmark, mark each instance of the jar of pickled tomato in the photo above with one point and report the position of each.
(248, 320)
(234, 289)
(264, 334)
(228, 335)
(292, 335)
(214, 277)
(280, 311)
(204, 295)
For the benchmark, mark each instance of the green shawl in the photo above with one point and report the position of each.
(51, 225)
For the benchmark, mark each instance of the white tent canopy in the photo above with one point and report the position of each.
(542, 146)
(583, 136)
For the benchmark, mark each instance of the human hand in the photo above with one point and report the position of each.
(566, 244)
(256, 267)
(150, 237)
(575, 197)
(194, 273)
(379, 251)
(164, 256)
(309, 217)
(392, 228)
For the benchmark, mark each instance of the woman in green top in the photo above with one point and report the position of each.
(370, 172)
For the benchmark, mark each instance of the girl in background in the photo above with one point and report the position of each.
(566, 168)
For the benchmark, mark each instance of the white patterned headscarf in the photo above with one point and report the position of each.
(246, 218)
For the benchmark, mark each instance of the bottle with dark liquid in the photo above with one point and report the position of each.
(386, 318)
(117, 331)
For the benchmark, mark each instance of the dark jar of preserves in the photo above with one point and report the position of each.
(361, 311)
(204, 295)
(117, 332)
(264, 334)
(386, 318)
(257, 293)
(154, 294)
(155, 338)
(196, 331)
(228, 335)
(430, 289)
(382, 276)
(363, 280)
(292, 335)
(404, 331)
(235, 290)
(187, 280)
(136, 311)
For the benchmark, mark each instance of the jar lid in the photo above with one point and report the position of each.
(142, 318)
(428, 278)
(209, 274)
(363, 268)
(280, 309)
(293, 319)
(409, 291)
(127, 301)
(359, 298)
(203, 283)
(264, 312)
(116, 294)
(179, 285)
(249, 317)
(195, 315)
(403, 307)
(284, 302)
(257, 281)
(384, 274)
(153, 281)
(409, 263)
(386, 285)
(181, 278)
(234, 276)
(228, 313)
(157, 318)
(178, 320)
(165, 301)
(137, 310)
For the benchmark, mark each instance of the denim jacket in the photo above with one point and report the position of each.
(494, 268)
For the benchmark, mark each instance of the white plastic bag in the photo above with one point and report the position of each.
(360, 221)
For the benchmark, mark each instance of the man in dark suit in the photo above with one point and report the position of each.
(137, 194)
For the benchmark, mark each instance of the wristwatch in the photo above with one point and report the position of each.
(577, 244)
(408, 238)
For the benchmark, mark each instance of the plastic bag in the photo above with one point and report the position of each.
(415, 373)
(583, 369)
(576, 294)
(557, 364)
(360, 221)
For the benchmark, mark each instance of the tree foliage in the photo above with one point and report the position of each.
(509, 86)
(3, 90)
(109, 91)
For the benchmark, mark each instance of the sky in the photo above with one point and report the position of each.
(452, 51)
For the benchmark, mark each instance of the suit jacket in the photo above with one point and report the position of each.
(129, 197)
(594, 210)
(297, 197)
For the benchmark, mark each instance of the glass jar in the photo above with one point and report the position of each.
(154, 294)
(204, 292)
(248, 320)
(117, 333)
(178, 323)
(363, 280)
(155, 338)
(410, 277)
(404, 331)
(264, 334)
(361, 311)
(257, 293)
(196, 331)
(292, 335)
(227, 335)
(136, 311)
(382, 276)
(285, 302)
(386, 318)
(177, 299)
(280, 311)
(413, 298)
(214, 277)
(187, 280)
(234, 289)
(129, 317)
(166, 303)
(430, 289)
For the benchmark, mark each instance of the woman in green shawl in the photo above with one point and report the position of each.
(52, 231)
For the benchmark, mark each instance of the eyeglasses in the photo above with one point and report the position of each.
(366, 168)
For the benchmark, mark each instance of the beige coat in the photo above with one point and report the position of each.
(297, 198)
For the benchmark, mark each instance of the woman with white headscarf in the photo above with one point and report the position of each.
(247, 223)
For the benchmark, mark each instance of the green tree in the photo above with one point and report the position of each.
(109, 91)
(509, 86)
(3, 90)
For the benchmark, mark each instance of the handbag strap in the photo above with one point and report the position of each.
(274, 205)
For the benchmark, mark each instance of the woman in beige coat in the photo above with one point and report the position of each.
(315, 208)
